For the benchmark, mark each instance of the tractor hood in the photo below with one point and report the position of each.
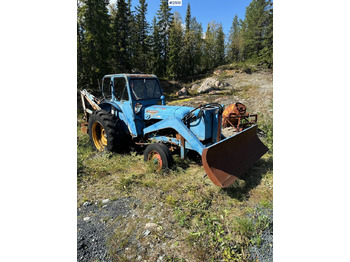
(164, 112)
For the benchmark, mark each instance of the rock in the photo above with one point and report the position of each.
(218, 72)
(212, 92)
(146, 233)
(194, 87)
(182, 92)
(217, 83)
(105, 201)
(151, 225)
(86, 218)
(207, 86)
(87, 203)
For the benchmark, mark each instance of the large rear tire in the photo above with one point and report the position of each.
(159, 155)
(106, 132)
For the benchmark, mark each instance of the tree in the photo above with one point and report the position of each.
(142, 39)
(154, 65)
(267, 51)
(188, 18)
(258, 34)
(121, 38)
(219, 46)
(93, 42)
(175, 47)
(197, 46)
(188, 52)
(234, 46)
(164, 22)
(208, 49)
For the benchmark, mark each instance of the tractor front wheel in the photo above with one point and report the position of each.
(159, 155)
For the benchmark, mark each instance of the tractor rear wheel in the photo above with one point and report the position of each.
(106, 132)
(159, 155)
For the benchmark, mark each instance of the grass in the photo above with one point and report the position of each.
(197, 221)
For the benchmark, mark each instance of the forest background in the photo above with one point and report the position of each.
(112, 39)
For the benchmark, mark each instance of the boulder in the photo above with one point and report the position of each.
(182, 92)
(218, 72)
(207, 86)
(194, 86)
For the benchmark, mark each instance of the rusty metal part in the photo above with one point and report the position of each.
(228, 159)
(236, 116)
(84, 106)
(84, 127)
(91, 99)
(140, 75)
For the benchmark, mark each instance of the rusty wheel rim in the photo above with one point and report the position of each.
(155, 158)
(99, 136)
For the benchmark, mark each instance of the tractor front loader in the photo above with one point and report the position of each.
(133, 110)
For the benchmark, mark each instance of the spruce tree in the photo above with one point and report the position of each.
(121, 38)
(188, 18)
(188, 52)
(93, 42)
(175, 47)
(164, 22)
(219, 46)
(142, 38)
(197, 46)
(258, 34)
(155, 65)
(234, 48)
(267, 51)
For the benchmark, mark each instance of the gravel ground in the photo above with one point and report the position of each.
(264, 251)
(96, 222)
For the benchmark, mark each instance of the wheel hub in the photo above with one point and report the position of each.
(155, 158)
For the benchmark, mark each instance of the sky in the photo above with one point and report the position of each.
(205, 11)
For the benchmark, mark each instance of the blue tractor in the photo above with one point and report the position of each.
(133, 111)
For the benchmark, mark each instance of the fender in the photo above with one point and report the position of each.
(109, 105)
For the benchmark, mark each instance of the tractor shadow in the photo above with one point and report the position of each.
(241, 187)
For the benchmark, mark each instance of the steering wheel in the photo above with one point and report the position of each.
(191, 114)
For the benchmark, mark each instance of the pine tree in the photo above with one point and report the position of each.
(93, 42)
(164, 21)
(175, 47)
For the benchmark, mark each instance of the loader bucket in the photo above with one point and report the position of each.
(228, 159)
